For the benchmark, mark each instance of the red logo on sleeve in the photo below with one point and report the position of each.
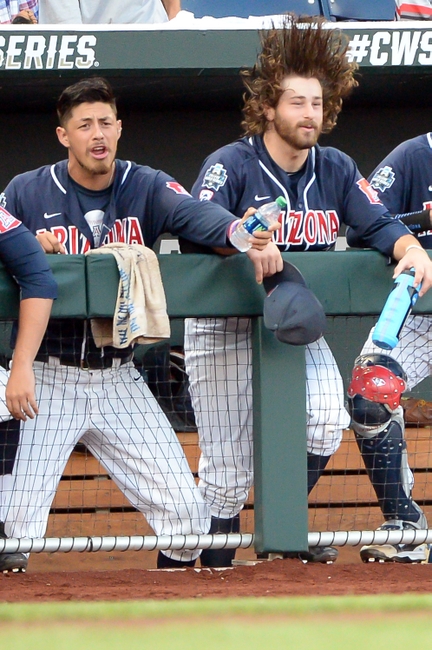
(367, 189)
(177, 188)
(7, 221)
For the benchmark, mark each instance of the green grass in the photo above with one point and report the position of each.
(327, 623)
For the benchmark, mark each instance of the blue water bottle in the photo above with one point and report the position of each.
(398, 305)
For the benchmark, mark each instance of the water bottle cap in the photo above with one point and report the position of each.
(281, 202)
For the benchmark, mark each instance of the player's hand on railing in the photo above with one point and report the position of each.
(50, 243)
(266, 262)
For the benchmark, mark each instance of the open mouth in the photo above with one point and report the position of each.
(99, 152)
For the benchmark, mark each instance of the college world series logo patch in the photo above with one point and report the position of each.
(215, 177)
(7, 221)
(383, 179)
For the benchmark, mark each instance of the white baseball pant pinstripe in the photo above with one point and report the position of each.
(218, 355)
(120, 422)
(414, 350)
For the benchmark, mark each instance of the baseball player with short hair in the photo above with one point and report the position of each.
(96, 394)
(294, 92)
(403, 181)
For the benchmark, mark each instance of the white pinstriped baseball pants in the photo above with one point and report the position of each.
(414, 350)
(218, 355)
(114, 413)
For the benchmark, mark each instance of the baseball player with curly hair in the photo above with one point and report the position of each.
(90, 393)
(293, 94)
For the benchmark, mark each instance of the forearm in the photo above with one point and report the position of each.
(172, 7)
(33, 319)
(401, 245)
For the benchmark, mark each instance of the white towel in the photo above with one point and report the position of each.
(140, 314)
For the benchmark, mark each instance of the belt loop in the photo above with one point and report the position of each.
(53, 361)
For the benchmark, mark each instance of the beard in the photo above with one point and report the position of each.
(101, 168)
(294, 136)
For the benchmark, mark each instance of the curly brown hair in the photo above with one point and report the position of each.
(304, 47)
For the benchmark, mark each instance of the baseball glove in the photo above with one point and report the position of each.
(417, 412)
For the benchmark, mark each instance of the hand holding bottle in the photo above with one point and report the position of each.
(398, 305)
(258, 225)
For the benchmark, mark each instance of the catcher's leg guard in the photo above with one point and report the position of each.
(164, 562)
(384, 457)
(223, 556)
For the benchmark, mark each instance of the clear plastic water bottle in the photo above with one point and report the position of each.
(267, 215)
(398, 305)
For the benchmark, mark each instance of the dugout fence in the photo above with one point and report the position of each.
(342, 510)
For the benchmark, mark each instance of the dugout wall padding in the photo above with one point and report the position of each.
(350, 283)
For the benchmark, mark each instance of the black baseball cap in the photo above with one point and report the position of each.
(291, 310)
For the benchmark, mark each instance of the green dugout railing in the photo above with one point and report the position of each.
(347, 283)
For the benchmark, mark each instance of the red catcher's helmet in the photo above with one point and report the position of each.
(378, 378)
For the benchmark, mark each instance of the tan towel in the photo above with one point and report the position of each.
(140, 314)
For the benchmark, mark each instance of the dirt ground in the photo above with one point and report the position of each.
(348, 576)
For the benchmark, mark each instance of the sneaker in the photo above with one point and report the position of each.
(407, 553)
(14, 562)
(320, 554)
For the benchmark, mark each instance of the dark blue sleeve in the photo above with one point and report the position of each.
(393, 181)
(178, 213)
(24, 258)
(371, 224)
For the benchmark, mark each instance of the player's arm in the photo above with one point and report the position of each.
(20, 390)
(416, 221)
(27, 263)
(409, 254)
(225, 188)
(172, 7)
(266, 259)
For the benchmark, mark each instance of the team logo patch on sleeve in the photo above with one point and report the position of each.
(7, 221)
(215, 177)
(367, 189)
(177, 188)
(206, 195)
(383, 179)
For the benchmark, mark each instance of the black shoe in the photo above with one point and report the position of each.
(164, 562)
(317, 554)
(405, 553)
(221, 557)
(13, 562)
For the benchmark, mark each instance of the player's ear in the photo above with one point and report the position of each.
(62, 136)
(269, 113)
(119, 128)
